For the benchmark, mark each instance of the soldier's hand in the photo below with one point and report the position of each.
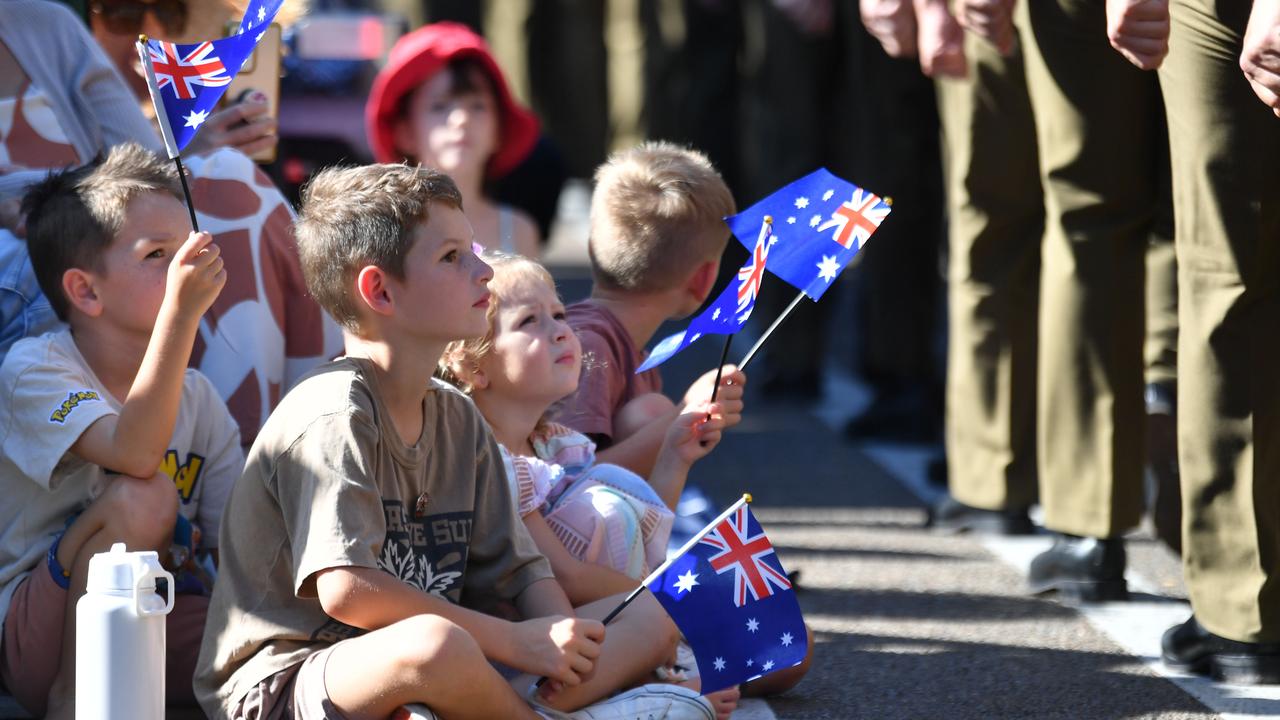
(1139, 29)
(892, 23)
(1260, 59)
(941, 40)
(991, 20)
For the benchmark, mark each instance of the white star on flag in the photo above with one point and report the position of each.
(786, 639)
(802, 202)
(716, 315)
(719, 663)
(262, 14)
(259, 38)
(695, 337)
(773, 240)
(828, 268)
(195, 118)
(743, 318)
(791, 220)
(750, 663)
(827, 195)
(768, 665)
(686, 582)
(753, 625)
(815, 220)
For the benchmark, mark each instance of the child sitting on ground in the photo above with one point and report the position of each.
(657, 233)
(373, 504)
(102, 418)
(603, 528)
(441, 101)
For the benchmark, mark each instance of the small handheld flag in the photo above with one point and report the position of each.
(187, 81)
(822, 222)
(727, 592)
(730, 310)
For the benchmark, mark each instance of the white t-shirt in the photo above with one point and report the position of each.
(48, 397)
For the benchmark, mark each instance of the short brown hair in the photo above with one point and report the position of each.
(656, 212)
(74, 215)
(357, 216)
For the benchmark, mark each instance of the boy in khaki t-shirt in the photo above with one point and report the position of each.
(373, 514)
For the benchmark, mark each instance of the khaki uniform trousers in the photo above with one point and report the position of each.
(1101, 141)
(1225, 147)
(996, 219)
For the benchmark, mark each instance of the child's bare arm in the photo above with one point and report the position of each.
(689, 438)
(134, 441)
(583, 582)
(559, 647)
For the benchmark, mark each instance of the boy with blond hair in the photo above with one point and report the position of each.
(373, 505)
(657, 233)
(102, 418)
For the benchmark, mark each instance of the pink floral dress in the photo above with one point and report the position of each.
(603, 514)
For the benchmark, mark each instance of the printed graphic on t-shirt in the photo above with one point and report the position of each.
(72, 402)
(428, 552)
(333, 631)
(184, 476)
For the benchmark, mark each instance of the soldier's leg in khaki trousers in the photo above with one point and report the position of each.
(996, 219)
(1097, 126)
(1225, 146)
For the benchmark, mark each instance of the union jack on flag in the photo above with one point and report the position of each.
(855, 220)
(821, 222)
(197, 67)
(728, 313)
(744, 554)
(752, 274)
(733, 638)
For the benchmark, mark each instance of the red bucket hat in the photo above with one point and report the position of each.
(418, 56)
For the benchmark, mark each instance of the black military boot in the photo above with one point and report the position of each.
(1081, 569)
(1190, 648)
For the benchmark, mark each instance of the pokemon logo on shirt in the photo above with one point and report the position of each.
(73, 401)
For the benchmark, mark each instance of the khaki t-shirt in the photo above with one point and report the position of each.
(609, 378)
(329, 483)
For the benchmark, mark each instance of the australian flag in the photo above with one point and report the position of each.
(730, 310)
(821, 223)
(186, 81)
(727, 592)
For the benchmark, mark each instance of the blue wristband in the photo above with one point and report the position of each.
(60, 576)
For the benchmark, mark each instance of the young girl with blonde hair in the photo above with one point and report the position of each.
(603, 527)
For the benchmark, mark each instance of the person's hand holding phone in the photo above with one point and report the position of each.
(246, 125)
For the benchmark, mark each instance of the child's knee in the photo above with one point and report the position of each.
(639, 412)
(434, 643)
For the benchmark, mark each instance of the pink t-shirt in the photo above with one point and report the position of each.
(609, 379)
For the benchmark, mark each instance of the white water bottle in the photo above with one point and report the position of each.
(120, 635)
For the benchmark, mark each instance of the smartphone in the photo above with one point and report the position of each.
(261, 73)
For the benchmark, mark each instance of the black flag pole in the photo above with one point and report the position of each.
(746, 360)
(746, 498)
(186, 192)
